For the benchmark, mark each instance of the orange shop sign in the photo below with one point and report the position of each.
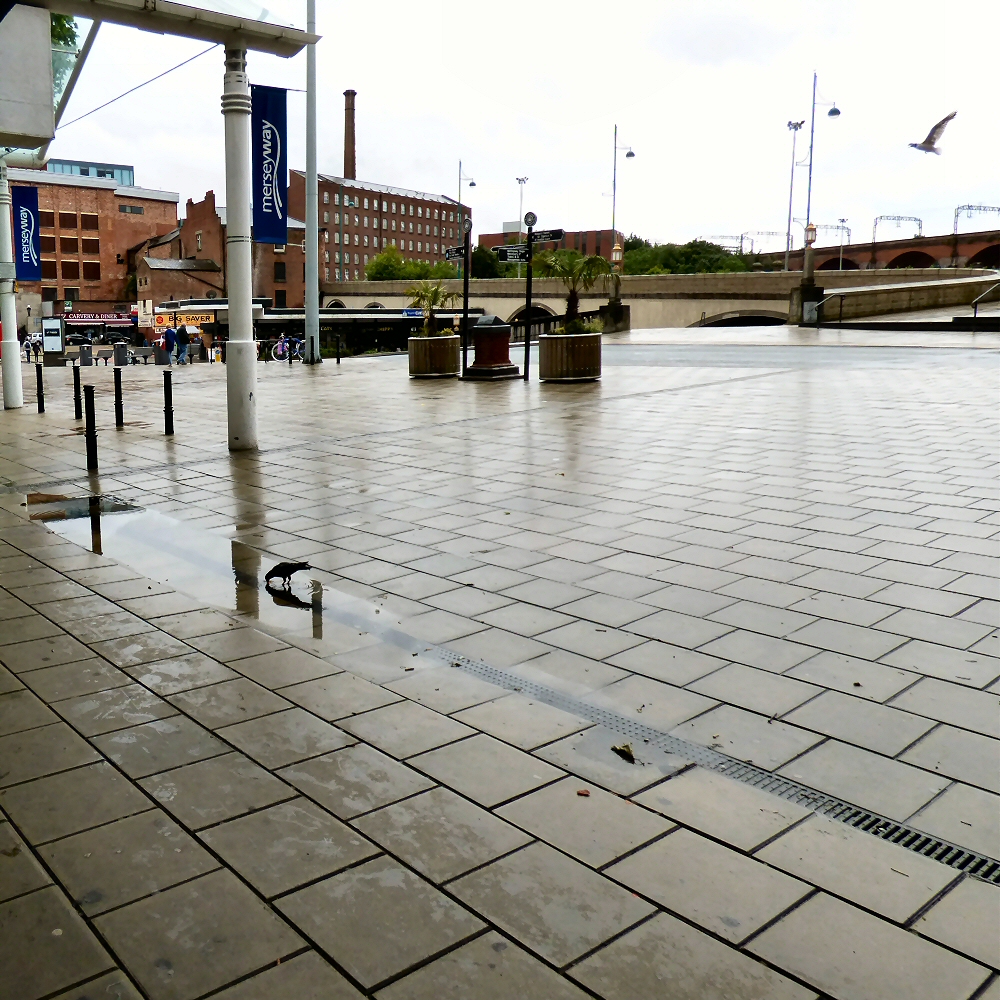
(162, 320)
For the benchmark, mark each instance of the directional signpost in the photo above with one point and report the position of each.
(454, 253)
(517, 254)
(548, 236)
(462, 253)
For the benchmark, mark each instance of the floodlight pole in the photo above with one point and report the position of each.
(241, 354)
(312, 353)
(13, 396)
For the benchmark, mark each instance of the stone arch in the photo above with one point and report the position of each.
(912, 258)
(334, 304)
(987, 257)
(833, 264)
(745, 317)
(374, 305)
(538, 311)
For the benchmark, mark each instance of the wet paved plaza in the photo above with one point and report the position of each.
(395, 779)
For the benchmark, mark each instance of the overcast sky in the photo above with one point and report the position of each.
(702, 91)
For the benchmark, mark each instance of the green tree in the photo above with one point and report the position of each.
(430, 295)
(576, 272)
(484, 264)
(695, 257)
(64, 31)
(391, 265)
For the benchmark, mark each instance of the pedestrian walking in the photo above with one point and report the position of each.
(169, 343)
(183, 340)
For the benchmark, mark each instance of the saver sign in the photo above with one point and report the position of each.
(27, 242)
(268, 133)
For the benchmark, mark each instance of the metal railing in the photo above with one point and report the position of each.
(975, 301)
(544, 324)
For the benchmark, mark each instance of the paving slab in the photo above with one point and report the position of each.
(378, 919)
(196, 937)
(21, 710)
(595, 828)
(669, 958)
(851, 955)
(551, 904)
(71, 679)
(951, 703)
(339, 696)
(304, 977)
(440, 834)
(959, 754)
(125, 860)
(445, 689)
(522, 721)
(653, 703)
(114, 986)
(857, 866)
(722, 808)
(117, 708)
(20, 873)
(228, 702)
(132, 650)
(354, 780)
(967, 919)
(181, 673)
(665, 662)
(405, 729)
(485, 770)
(45, 946)
(158, 746)
(49, 652)
(717, 888)
(283, 738)
(287, 845)
(965, 816)
(489, 966)
(46, 750)
(213, 790)
(282, 667)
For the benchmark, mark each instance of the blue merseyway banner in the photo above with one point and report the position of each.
(268, 133)
(27, 242)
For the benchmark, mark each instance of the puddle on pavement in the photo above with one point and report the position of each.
(224, 573)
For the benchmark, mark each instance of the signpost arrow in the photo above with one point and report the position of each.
(513, 254)
(548, 235)
(454, 253)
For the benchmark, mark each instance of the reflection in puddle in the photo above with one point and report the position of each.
(222, 572)
(60, 508)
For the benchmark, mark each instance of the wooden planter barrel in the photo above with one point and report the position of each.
(569, 357)
(434, 357)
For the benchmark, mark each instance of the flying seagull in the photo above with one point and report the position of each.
(929, 145)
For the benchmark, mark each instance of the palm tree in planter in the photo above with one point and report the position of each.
(433, 354)
(577, 273)
(428, 296)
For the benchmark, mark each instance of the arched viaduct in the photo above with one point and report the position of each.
(655, 300)
(961, 250)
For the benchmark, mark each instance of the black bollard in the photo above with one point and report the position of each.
(95, 526)
(291, 350)
(338, 348)
(39, 388)
(224, 351)
(119, 403)
(77, 402)
(168, 404)
(91, 432)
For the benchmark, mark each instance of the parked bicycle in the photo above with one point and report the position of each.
(285, 346)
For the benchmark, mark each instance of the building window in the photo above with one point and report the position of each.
(411, 210)
(411, 247)
(49, 270)
(357, 220)
(91, 270)
(393, 208)
(48, 244)
(366, 258)
(280, 298)
(326, 216)
(357, 259)
(336, 199)
(326, 197)
(88, 221)
(383, 242)
(279, 270)
(336, 237)
(67, 220)
(71, 294)
(326, 274)
(411, 227)
(451, 216)
(47, 220)
(336, 256)
(355, 274)
(365, 223)
(91, 246)
(385, 206)
(127, 209)
(420, 212)
(394, 228)
(279, 247)
(420, 228)
(326, 257)
(385, 223)
(71, 269)
(435, 248)
(366, 202)
(393, 241)
(420, 247)
(50, 294)
(356, 239)
(366, 239)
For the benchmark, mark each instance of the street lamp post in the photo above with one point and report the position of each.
(834, 112)
(794, 127)
(461, 219)
(617, 251)
(843, 223)
(313, 355)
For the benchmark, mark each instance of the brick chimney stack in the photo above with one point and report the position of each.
(350, 164)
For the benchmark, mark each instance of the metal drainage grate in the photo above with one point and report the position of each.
(977, 865)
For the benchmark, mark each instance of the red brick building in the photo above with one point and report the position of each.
(358, 220)
(597, 242)
(87, 225)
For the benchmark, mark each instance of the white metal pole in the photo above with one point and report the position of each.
(241, 354)
(812, 136)
(13, 397)
(791, 189)
(312, 199)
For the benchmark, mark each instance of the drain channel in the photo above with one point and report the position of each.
(977, 865)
